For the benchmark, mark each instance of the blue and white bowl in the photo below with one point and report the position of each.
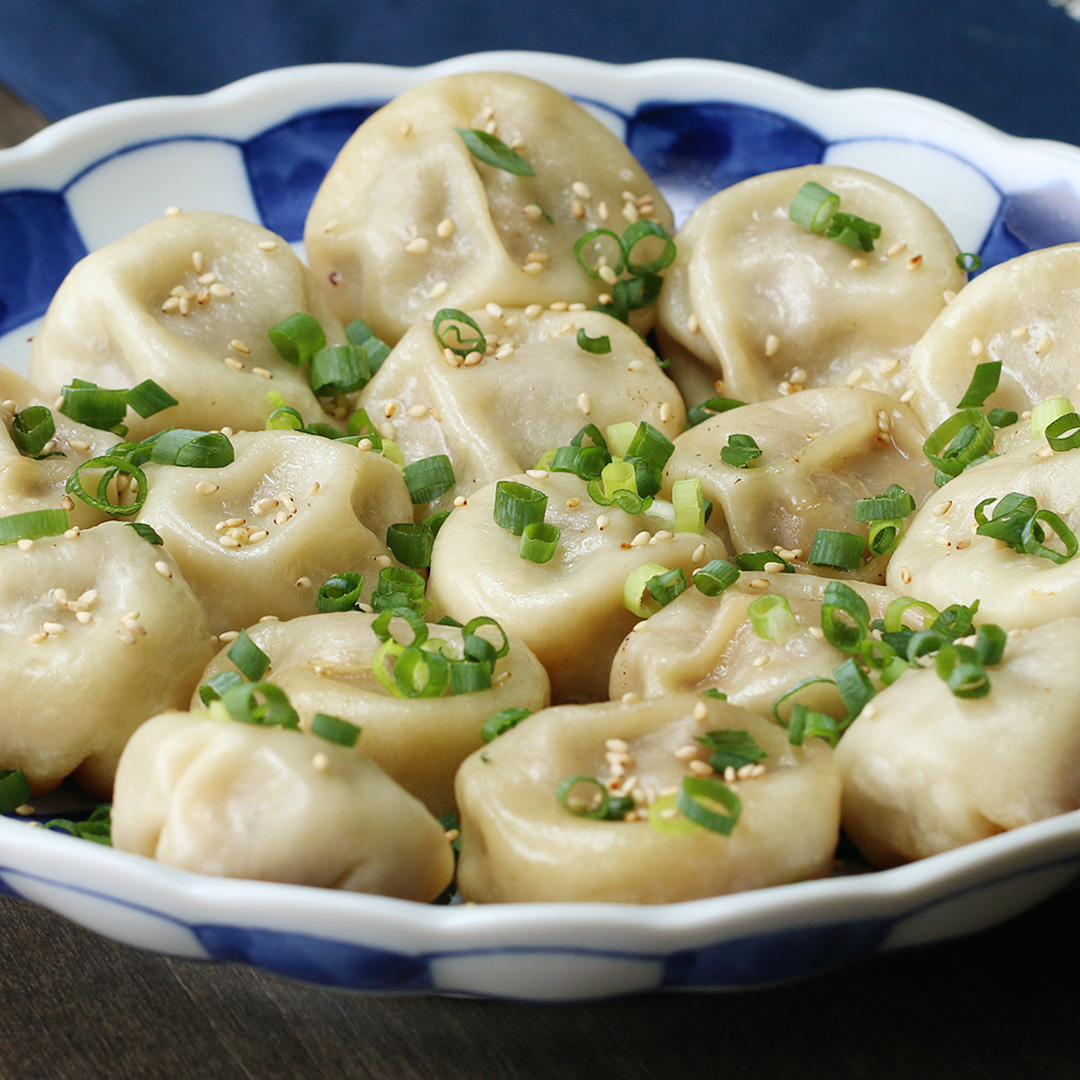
(259, 149)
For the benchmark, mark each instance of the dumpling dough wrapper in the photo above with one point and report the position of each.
(249, 801)
(519, 843)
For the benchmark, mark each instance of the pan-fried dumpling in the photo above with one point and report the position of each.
(187, 301)
(1022, 314)
(324, 665)
(409, 221)
(766, 305)
(944, 561)
(98, 631)
(520, 843)
(260, 536)
(534, 390)
(569, 611)
(250, 801)
(926, 771)
(29, 483)
(822, 450)
(700, 641)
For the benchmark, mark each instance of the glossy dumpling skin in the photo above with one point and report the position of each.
(30, 484)
(112, 322)
(499, 416)
(323, 663)
(518, 843)
(373, 234)
(98, 631)
(569, 611)
(247, 801)
(338, 503)
(756, 298)
(700, 641)
(1021, 313)
(943, 561)
(821, 451)
(926, 771)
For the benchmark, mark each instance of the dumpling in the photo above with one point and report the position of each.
(187, 301)
(520, 843)
(822, 450)
(324, 665)
(1021, 314)
(944, 561)
(98, 631)
(764, 304)
(700, 641)
(260, 536)
(251, 801)
(536, 388)
(926, 771)
(569, 611)
(409, 221)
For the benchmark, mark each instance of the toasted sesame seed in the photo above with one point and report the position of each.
(816, 632)
(661, 535)
(896, 248)
(887, 367)
(303, 583)
(37, 638)
(905, 575)
(699, 554)
(451, 358)
(445, 228)
(267, 245)
(602, 522)
(220, 291)
(255, 537)
(261, 372)
(440, 288)
(532, 210)
(205, 487)
(173, 211)
(126, 636)
(238, 346)
(584, 403)
(630, 212)
(961, 545)
(172, 304)
(533, 311)
(504, 352)
(1046, 343)
(759, 584)
(859, 263)
(228, 541)
(559, 305)
(914, 262)
(382, 560)
(417, 412)
(942, 508)
(641, 539)
(772, 343)
(54, 629)
(906, 396)
(855, 377)
(418, 245)
(25, 545)
(581, 190)
(699, 767)
(942, 541)
(577, 208)
(533, 268)
(1019, 332)
(473, 359)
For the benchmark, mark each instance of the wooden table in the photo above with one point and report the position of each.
(75, 1006)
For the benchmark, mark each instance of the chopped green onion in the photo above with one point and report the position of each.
(689, 506)
(708, 409)
(799, 686)
(960, 668)
(650, 445)
(112, 464)
(962, 440)
(715, 576)
(620, 436)
(1016, 521)
(598, 346)
(248, 658)
(957, 620)
(14, 790)
(381, 626)
(338, 370)
(600, 805)
(470, 628)
(436, 521)
(33, 429)
(853, 231)
(1064, 432)
(32, 525)
(518, 505)
(421, 674)
(845, 617)
(87, 403)
(411, 543)
(983, 383)
(1046, 412)
(285, 418)
(469, 676)
(806, 723)
(758, 560)
(1001, 418)
(243, 703)
(494, 726)
(894, 613)
(740, 451)
(398, 587)
(361, 426)
(716, 695)
(335, 729)
(97, 827)
(732, 749)
(669, 824)
(894, 503)
(836, 549)
(663, 588)
(883, 536)
(854, 685)
(593, 238)
(539, 539)
(340, 593)
(635, 234)
(968, 261)
(772, 618)
(213, 689)
(693, 800)
(493, 151)
(298, 338)
(148, 399)
(618, 476)
(990, 644)
(189, 449)
(457, 319)
(428, 478)
(1033, 536)
(813, 207)
(147, 532)
(637, 596)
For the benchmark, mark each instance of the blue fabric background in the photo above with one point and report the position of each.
(1013, 63)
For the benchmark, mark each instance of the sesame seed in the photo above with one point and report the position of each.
(1046, 343)
(321, 760)
(942, 541)
(532, 210)
(816, 632)
(630, 212)
(772, 343)
(641, 539)
(173, 211)
(887, 367)
(906, 396)
(67, 503)
(229, 542)
(699, 554)
(387, 429)
(473, 359)
(687, 752)
(261, 372)
(267, 245)
(855, 377)
(961, 545)
(661, 535)
(603, 211)
(54, 629)
(445, 228)
(942, 508)
(417, 412)
(303, 583)
(745, 772)
(759, 584)
(700, 768)
(859, 263)
(608, 275)
(404, 127)
(896, 248)
(25, 545)
(533, 311)
(37, 638)
(602, 522)
(577, 208)
(533, 268)
(975, 346)
(559, 305)
(255, 537)
(126, 636)
(205, 487)
(238, 346)
(451, 358)
(73, 533)
(1044, 452)
(700, 711)
(184, 305)
(799, 376)
(171, 304)
(220, 291)
(581, 189)
(1019, 332)
(948, 296)
(584, 403)
(382, 560)
(773, 567)
(905, 575)
(541, 257)
(231, 361)
(504, 352)
(440, 288)
(761, 661)
(208, 278)
(914, 262)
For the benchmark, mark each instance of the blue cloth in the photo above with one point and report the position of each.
(1012, 63)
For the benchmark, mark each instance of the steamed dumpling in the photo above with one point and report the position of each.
(187, 301)
(98, 631)
(249, 801)
(822, 450)
(1021, 313)
(943, 561)
(700, 641)
(260, 536)
(926, 771)
(762, 303)
(324, 665)
(569, 611)
(408, 221)
(536, 388)
(519, 843)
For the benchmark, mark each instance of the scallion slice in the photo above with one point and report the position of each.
(14, 790)
(1046, 412)
(298, 338)
(771, 617)
(758, 560)
(599, 804)
(732, 748)
(965, 438)
(285, 418)
(87, 403)
(740, 451)
(111, 464)
(469, 631)
(411, 543)
(845, 617)
(797, 688)
(635, 234)
(855, 687)
(593, 240)
(493, 151)
(148, 399)
(806, 723)
(147, 532)
(651, 445)
(598, 346)
(894, 613)
(359, 333)
(813, 207)
(502, 721)
(453, 320)
(637, 596)
(983, 383)
(1033, 536)
(959, 666)
(32, 429)
(248, 658)
(836, 549)
(419, 673)
(400, 587)
(990, 644)
(213, 689)
(469, 676)
(1002, 418)
(539, 539)
(428, 478)
(665, 587)
(689, 506)
(894, 503)
(340, 593)
(697, 797)
(260, 703)
(1064, 432)
(968, 261)
(339, 369)
(334, 729)
(518, 505)
(708, 409)
(188, 449)
(715, 576)
(32, 525)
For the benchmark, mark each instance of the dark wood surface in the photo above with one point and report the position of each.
(75, 1006)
